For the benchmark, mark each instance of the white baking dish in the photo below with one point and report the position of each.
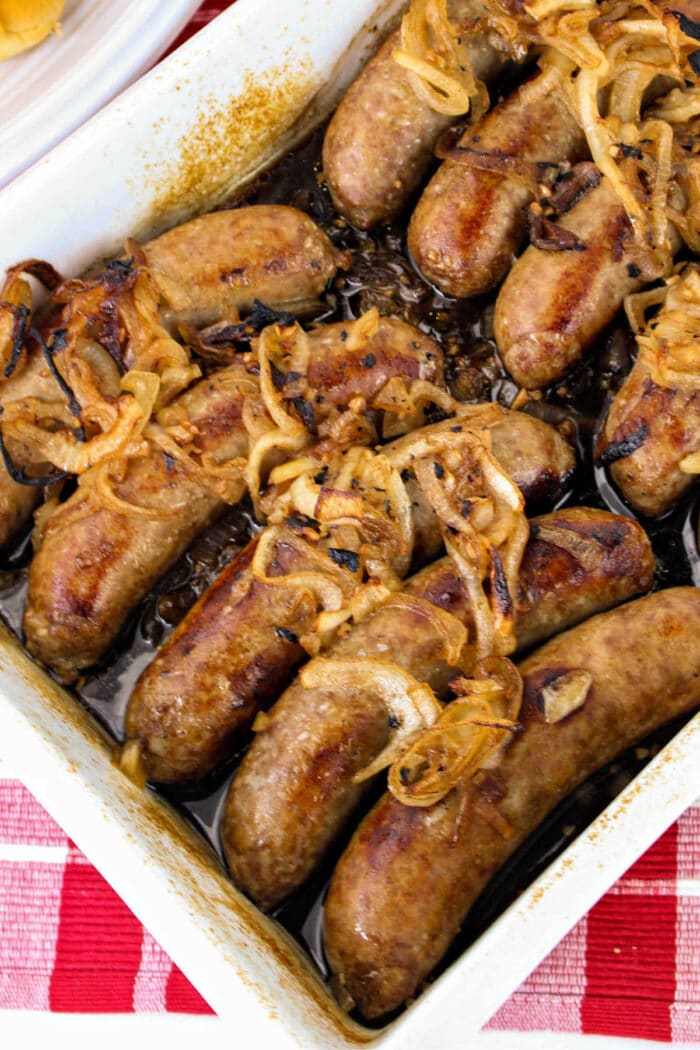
(103, 46)
(203, 121)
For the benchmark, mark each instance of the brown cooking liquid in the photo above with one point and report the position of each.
(382, 276)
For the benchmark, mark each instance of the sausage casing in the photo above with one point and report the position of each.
(552, 305)
(294, 792)
(469, 223)
(410, 875)
(379, 143)
(215, 265)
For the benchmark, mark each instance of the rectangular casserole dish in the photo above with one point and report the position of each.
(222, 108)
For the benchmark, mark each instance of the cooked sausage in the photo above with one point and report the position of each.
(293, 792)
(96, 563)
(238, 646)
(553, 305)
(649, 429)
(379, 144)
(410, 875)
(206, 269)
(212, 267)
(469, 223)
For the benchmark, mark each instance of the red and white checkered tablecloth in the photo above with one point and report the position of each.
(69, 944)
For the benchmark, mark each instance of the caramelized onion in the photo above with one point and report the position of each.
(468, 733)
(605, 55)
(669, 344)
(410, 705)
(565, 695)
(438, 62)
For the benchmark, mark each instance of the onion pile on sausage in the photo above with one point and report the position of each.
(377, 629)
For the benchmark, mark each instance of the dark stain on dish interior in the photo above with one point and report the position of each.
(382, 276)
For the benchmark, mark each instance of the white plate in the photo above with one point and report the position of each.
(103, 45)
(223, 106)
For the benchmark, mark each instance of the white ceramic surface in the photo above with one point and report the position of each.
(103, 45)
(205, 119)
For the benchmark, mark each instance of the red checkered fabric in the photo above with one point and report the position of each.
(68, 943)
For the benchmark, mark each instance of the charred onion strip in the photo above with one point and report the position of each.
(466, 735)
(112, 360)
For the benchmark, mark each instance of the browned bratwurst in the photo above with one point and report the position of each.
(470, 223)
(379, 144)
(238, 646)
(294, 792)
(553, 305)
(652, 425)
(212, 267)
(410, 875)
(95, 564)
(96, 561)
(207, 270)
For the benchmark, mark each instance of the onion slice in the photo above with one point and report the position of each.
(469, 733)
(410, 705)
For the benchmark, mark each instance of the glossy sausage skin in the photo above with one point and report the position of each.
(90, 572)
(649, 429)
(236, 649)
(293, 792)
(213, 266)
(379, 144)
(95, 562)
(469, 224)
(409, 876)
(553, 305)
(234, 652)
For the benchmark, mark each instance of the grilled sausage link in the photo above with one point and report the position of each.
(206, 269)
(213, 266)
(293, 792)
(379, 143)
(238, 646)
(409, 876)
(96, 561)
(95, 564)
(649, 429)
(553, 305)
(470, 223)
